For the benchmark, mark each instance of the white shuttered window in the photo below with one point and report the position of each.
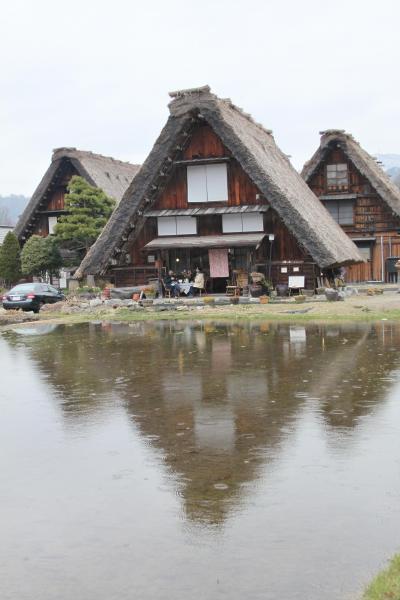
(253, 222)
(197, 183)
(232, 223)
(207, 183)
(177, 225)
(186, 226)
(52, 224)
(246, 222)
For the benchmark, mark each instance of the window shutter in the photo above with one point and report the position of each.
(346, 212)
(197, 184)
(253, 222)
(232, 223)
(52, 224)
(166, 225)
(217, 183)
(186, 225)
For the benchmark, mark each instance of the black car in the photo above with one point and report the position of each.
(31, 296)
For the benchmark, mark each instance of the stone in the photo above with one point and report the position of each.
(56, 307)
(114, 302)
(331, 295)
(95, 302)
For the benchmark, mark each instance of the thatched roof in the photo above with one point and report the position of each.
(111, 175)
(256, 151)
(364, 162)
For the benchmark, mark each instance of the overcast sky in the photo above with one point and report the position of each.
(95, 74)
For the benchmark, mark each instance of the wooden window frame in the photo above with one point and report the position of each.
(339, 204)
(337, 186)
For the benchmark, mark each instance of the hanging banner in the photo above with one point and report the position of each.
(218, 259)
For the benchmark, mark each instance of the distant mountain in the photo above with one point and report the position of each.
(391, 164)
(11, 207)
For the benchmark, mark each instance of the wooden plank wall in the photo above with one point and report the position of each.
(308, 269)
(206, 144)
(372, 270)
(56, 199)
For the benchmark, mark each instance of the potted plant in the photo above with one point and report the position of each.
(264, 299)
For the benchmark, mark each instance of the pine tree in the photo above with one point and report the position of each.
(10, 263)
(40, 256)
(89, 209)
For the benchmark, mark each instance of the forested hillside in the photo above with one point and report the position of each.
(11, 207)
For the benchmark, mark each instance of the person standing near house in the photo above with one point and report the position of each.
(198, 283)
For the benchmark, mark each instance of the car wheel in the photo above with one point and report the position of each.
(37, 309)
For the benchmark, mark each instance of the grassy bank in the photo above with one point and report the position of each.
(358, 309)
(386, 585)
(243, 313)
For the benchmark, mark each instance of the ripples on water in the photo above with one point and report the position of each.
(204, 460)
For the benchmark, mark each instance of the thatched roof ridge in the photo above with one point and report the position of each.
(364, 162)
(255, 149)
(111, 175)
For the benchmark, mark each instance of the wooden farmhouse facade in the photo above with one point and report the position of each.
(47, 203)
(217, 193)
(362, 198)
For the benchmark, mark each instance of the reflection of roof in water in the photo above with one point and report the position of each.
(218, 401)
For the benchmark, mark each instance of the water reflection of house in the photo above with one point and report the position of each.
(216, 429)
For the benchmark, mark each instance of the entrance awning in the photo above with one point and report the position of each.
(234, 240)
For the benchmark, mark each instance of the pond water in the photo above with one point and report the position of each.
(198, 460)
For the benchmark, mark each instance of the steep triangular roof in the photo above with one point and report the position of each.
(364, 162)
(111, 175)
(256, 151)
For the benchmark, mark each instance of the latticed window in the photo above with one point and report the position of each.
(337, 176)
(341, 211)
